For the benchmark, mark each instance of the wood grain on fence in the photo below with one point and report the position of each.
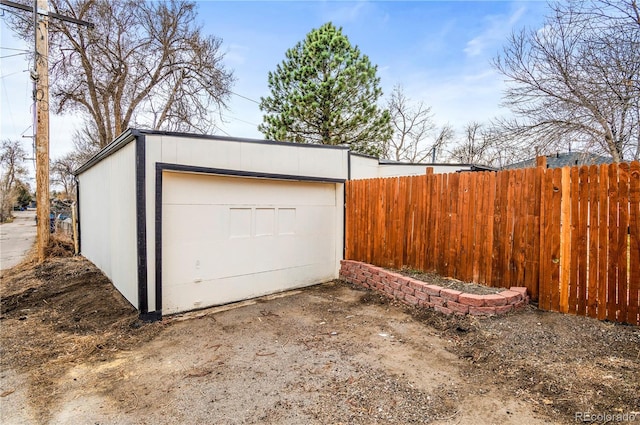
(571, 236)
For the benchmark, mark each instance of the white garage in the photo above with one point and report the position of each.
(181, 221)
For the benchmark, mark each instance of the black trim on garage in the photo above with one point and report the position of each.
(158, 233)
(238, 173)
(161, 167)
(141, 226)
(121, 141)
(78, 214)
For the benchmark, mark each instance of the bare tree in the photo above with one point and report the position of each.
(475, 146)
(146, 63)
(12, 173)
(416, 137)
(486, 144)
(62, 173)
(577, 78)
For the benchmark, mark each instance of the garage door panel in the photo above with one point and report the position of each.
(226, 239)
(188, 296)
(196, 189)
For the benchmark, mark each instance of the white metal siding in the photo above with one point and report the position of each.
(392, 170)
(290, 158)
(228, 238)
(370, 168)
(108, 219)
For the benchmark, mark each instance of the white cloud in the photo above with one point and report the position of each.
(496, 29)
(469, 95)
(345, 14)
(236, 54)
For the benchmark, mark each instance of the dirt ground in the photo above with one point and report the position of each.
(73, 351)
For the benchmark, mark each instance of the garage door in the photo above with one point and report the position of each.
(226, 239)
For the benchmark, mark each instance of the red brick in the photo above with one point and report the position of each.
(393, 276)
(388, 295)
(450, 294)
(432, 290)
(395, 285)
(482, 311)
(422, 295)
(425, 304)
(399, 295)
(504, 309)
(494, 300)
(443, 310)
(410, 299)
(408, 290)
(404, 280)
(520, 289)
(417, 284)
(457, 307)
(511, 296)
(519, 304)
(471, 299)
(436, 300)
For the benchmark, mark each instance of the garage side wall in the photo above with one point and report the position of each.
(108, 219)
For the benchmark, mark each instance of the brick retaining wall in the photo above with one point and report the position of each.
(416, 292)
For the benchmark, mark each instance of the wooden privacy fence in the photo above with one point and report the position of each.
(570, 235)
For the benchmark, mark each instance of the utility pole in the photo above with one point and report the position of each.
(40, 77)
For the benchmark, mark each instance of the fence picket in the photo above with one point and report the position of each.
(603, 242)
(582, 248)
(592, 288)
(568, 256)
(623, 242)
(613, 244)
(634, 244)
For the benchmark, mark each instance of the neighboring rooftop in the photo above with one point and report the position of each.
(566, 159)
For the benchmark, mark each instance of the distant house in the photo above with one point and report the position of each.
(567, 159)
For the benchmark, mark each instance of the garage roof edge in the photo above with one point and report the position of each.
(239, 139)
(121, 141)
(131, 134)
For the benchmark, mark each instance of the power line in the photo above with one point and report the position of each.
(15, 54)
(14, 49)
(49, 13)
(238, 119)
(219, 128)
(13, 73)
(245, 97)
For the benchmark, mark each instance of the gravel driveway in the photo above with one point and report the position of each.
(74, 352)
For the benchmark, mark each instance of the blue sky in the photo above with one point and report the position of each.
(439, 51)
